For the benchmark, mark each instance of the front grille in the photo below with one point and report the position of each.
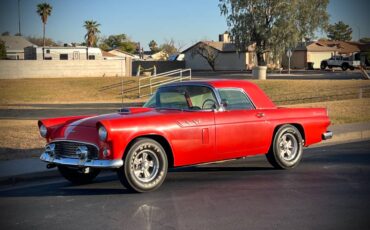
(68, 149)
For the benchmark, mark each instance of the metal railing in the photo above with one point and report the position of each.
(152, 82)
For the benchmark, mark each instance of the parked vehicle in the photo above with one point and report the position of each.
(340, 61)
(182, 124)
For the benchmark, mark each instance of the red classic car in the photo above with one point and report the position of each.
(182, 124)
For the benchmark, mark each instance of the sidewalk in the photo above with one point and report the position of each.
(12, 171)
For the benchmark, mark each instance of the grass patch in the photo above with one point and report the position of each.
(108, 89)
(346, 111)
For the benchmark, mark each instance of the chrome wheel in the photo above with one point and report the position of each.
(288, 147)
(145, 165)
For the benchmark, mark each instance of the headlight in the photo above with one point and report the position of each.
(103, 133)
(43, 131)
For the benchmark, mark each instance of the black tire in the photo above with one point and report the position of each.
(145, 166)
(345, 66)
(77, 177)
(323, 65)
(279, 155)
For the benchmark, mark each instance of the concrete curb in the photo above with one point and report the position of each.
(362, 134)
(12, 180)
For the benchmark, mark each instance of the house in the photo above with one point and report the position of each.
(62, 53)
(122, 54)
(316, 51)
(14, 46)
(227, 56)
(159, 56)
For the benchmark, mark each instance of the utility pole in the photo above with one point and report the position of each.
(19, 18)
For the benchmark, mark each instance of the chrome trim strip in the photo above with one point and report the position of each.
(327, 135)
(104, 164)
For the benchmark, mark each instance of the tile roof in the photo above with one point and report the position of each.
(220, 46)
(329, 46)
(15, 42)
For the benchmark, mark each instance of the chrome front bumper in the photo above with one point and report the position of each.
(108, 164)
(327, 135)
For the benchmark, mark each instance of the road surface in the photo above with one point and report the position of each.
(330, 189)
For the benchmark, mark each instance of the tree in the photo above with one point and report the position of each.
(153, 46)
(6, 33)
(44, 10)
(365, 40)
(40, 41)
(2, 50)
(92, 32)
(340, 32)
(207, 52)
(273, 25)
(118, 41)
(169, 47)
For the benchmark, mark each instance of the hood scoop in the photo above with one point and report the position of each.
(124, 110)
(133, 110)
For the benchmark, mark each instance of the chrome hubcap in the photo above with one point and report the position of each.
(145, 165)
(288, 147)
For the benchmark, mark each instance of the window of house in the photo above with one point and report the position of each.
(235, 99)
(63, 56)
(91, 57)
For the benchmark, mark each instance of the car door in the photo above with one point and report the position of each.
(241, 129)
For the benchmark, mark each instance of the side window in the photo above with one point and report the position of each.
(234, 99)
(63, 56)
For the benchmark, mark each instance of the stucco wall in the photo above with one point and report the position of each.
(224, 61)
(317, 57)
(55, 68)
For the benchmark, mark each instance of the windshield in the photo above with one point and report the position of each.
(184, 98)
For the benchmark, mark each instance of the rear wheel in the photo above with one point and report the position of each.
(323, 65)
(76, 176)
(145, 166)
(345, 66)
(286, 149)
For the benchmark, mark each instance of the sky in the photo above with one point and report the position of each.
(184, 21)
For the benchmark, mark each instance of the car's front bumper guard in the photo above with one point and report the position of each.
(108, 164)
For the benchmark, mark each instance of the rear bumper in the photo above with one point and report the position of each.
(327, 135)
(104, 164)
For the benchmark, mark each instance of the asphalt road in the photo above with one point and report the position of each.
(329, 190)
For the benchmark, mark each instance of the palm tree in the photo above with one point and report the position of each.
(92, 31)
(44, 10)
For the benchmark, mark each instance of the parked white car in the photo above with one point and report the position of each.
(340, 61)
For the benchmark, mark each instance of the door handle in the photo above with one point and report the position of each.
(260, 115)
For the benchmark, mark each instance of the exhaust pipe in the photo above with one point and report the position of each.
(50, 166)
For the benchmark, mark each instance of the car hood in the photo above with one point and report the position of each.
(123, 113)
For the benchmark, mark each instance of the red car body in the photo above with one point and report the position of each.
(190, 137)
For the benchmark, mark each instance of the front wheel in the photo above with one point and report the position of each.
(145, 166)
(287, 147)
(323, 65)
(76, 176)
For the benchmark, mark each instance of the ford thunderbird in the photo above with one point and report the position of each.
(182, 124)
